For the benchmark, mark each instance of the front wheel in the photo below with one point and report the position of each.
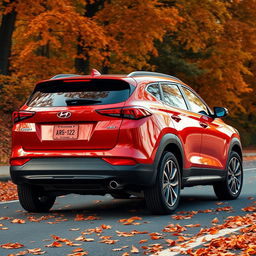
(33, 199)
(231, 187)
(164, 196)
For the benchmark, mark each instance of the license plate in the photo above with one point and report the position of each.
(65, 132)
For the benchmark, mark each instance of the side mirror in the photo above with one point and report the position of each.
(220, 112)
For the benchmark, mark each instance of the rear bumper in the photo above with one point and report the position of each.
(75, 174)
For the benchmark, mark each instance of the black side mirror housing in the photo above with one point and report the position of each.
(220, 112)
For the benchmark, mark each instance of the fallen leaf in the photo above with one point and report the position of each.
(117, 249)
(249, 209)
(215, 220)
(81, 217)
(143, 241)
(224, 209)
(134, 249)
(220, 203)
(54, 244)
(78, 254)
(78, 250)
(84, 239)
(19, 221)
(36, 251)
(70, 243)
(12, 245)
(109, 241)
(170, 242)
(192, 225)
(130, 221)
(103, 226)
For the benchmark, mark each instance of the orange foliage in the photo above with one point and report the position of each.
(133, 26)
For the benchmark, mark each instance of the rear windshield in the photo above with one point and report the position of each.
(72, 93)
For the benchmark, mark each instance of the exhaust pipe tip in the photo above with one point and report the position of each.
(115, 185)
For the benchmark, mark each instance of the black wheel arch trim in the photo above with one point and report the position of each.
(234, 142)
(166, 140)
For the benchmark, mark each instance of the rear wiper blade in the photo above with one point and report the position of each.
(81, 101)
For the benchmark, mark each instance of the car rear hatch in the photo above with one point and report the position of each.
(66, 114)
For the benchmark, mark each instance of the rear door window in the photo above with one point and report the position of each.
(61, 93)
(173, 96)
(154, 90)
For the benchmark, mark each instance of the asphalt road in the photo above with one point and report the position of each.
(61, 220)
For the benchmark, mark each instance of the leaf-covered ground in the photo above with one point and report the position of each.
(176, 231)
(8, 191)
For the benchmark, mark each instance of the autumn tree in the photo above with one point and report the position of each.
(56, 28)
(133, 27)
(208, 45)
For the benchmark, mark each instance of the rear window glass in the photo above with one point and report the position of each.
(73, 93)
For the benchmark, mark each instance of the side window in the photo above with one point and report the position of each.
(196, 104)
(173, 96)
(154, 90)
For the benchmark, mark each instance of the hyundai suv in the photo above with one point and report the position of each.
(145, 133)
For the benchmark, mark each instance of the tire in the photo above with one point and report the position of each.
(164, 196)
(33, 199)
(231, 187)
(120, 195)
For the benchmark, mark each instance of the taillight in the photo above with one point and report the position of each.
(21, 115)
(19, 161)
(127, 112)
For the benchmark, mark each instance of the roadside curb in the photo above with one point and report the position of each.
(4, 178)
(4, 173)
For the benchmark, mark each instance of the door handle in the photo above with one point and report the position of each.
(204, 125)
(176, 118)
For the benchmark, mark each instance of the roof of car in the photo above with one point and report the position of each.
(136, 76)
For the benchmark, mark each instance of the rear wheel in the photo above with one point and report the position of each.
(164, 196)
(33, 199)
(231, 187)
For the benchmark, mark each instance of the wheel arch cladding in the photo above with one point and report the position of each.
(238, 150)
(170, 143)
(235, 146)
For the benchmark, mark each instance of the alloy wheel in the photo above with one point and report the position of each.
(170, 183)
(234, 175)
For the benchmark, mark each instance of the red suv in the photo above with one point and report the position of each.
(144, 133)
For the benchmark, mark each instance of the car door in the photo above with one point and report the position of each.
(184, 121)
(214, 137)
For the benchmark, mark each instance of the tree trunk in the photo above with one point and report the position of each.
(6, 31)
(82, 64)
(106, 61)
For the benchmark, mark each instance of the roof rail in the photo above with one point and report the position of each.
(148, 73)
(63, 76)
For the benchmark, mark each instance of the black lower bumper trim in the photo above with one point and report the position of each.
(87, 173)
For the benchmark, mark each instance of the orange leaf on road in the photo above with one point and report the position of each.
(215, 220)
(12, 245)
(134, 249)
(19, 221)
(54, 244)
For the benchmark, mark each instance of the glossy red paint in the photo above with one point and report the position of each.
(205, 140)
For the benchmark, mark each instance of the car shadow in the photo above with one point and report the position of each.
(125, 208)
